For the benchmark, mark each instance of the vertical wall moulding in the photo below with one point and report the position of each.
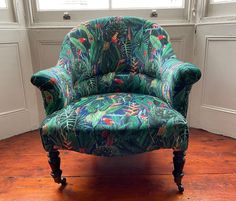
(204, 104)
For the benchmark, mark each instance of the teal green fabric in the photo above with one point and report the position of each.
(110, 58)
(115, 124)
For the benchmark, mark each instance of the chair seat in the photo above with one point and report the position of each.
(115, 124)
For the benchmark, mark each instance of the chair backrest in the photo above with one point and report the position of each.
(115, 54)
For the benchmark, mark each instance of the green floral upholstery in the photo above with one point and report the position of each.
(117, 89)
(115, 124)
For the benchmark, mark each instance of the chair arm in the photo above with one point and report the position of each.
(56, 88)
(177, 78)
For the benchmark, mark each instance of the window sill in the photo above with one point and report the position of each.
(217, 20)
(67, 25)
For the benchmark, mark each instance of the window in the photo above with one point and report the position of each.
(7, 11)
(3, 4)
(221, 8)
(44, 11)
(140, 4)
(43, 5)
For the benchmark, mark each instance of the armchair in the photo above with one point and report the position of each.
(117, 89)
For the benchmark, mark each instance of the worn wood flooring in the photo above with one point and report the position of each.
(210, 173)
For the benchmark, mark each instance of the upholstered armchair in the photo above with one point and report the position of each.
(117, 89)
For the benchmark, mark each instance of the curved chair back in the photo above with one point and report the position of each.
(116, 54)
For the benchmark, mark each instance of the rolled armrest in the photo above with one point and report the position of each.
(177, 78)
(56, 88)
(180, 73)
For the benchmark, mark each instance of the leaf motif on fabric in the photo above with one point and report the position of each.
(167, 51)
(94, 118)
(155, 42)
(67, 120)
(132, 110)
(134, 65)
(78, 44)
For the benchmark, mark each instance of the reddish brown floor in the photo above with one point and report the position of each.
(210, 173)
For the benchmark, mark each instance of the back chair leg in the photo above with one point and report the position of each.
(54, 162)
(179, 161)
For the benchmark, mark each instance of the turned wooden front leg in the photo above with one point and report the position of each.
(55, 162)
(179, 161)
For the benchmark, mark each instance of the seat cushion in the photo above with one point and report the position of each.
(115, 124)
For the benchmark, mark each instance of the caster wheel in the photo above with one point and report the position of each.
(63, 181)
(181, 188)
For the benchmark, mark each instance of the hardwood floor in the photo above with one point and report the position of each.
(210, 173)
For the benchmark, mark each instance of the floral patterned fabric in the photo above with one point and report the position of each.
(117, 89)
(115, 124)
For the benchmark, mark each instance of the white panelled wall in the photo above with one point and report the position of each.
(18, 103)
(212, 46)
(213, 105)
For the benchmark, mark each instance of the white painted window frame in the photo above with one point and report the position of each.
(55, 18)
(8, 15)
(216, 13)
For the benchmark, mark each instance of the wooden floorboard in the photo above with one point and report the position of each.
(210, 173)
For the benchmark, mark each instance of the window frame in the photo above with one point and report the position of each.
(41, 18)
(217, 12)
(223, 2)
(109, 6)
(7, 15)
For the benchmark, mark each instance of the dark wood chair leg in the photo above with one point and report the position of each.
(55, 162)
(179, 161)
